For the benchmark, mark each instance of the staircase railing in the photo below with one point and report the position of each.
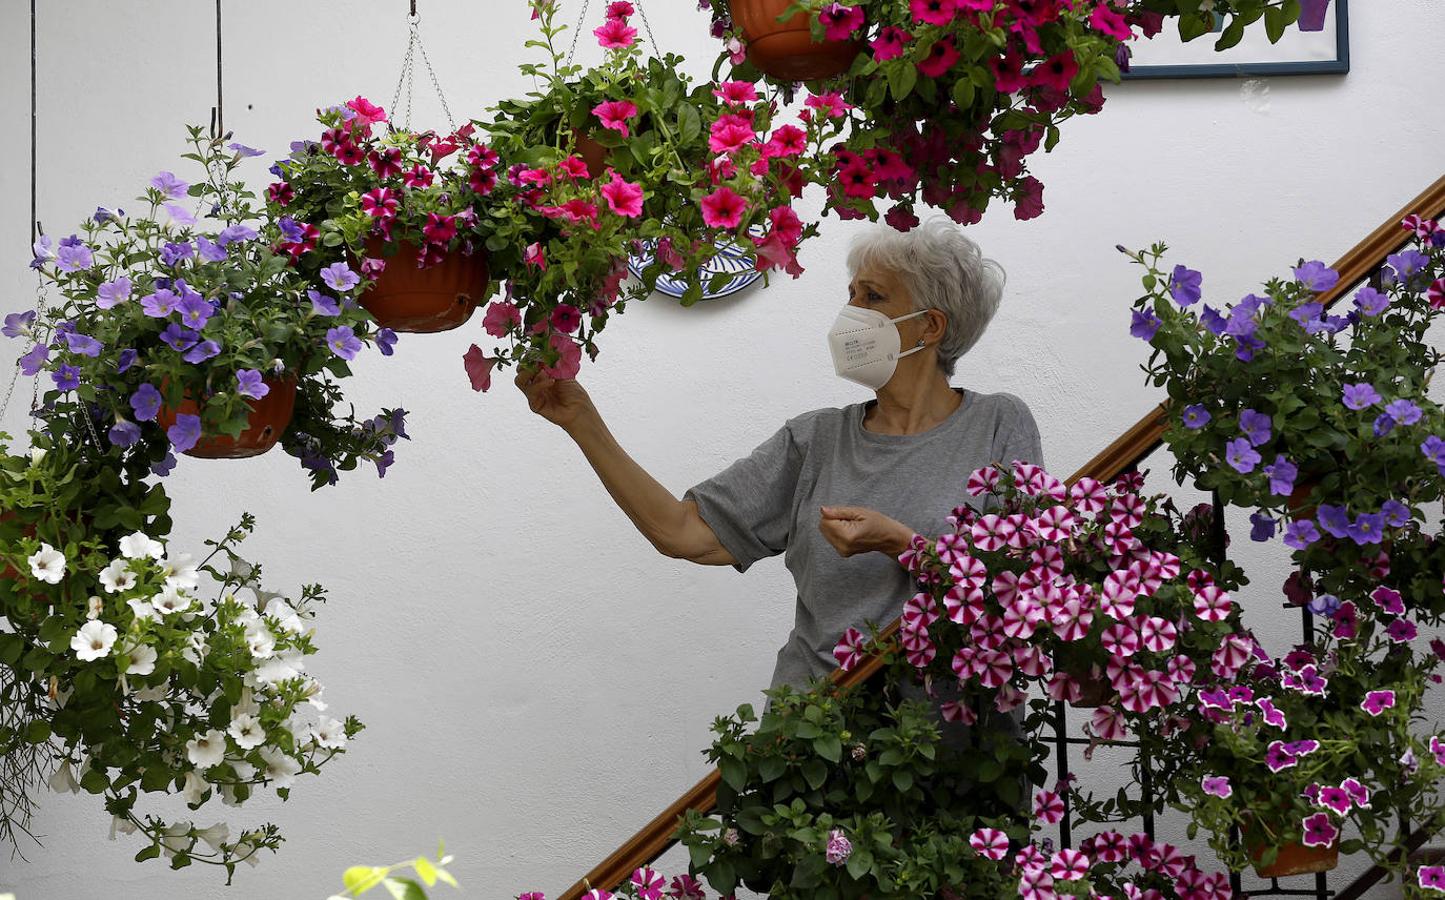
(1126, 452)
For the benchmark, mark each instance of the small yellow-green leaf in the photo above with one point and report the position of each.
(425, 870)
(360, 879)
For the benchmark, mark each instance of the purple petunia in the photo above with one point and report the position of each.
(1308, 316)
(1324, 605)
(18, 324)
(1376, 702)
(292, 232)
(1407, 262)
(1318, 832)
(82, 344)
(209, 250)
(339, 277)
(125, 359)
(1241, 456)
(173, 253)
(1371, 302)
(250, 384)
(1262, 527)
(1360, 396)
(67, 378)
(124, 433)
(179, 338)
(386, 341)
(1431, 878)
(160, 304)
(146, 401)
(1256, 427)
(1212, 320)
(1397, 514)
(164, 467)
(243, 151)
(1316, 276)
(201, 352)
(323, 304)
(1434, 449)
(32, 362)
(185, 432)
(111, 293)
(1217, 785)
(1335, 520)
(342, 341)
(73, 255)
(1402, 631)
(1184, 285)
(1367, 529)
(1277, 758)
(1195, 417)
(1144, 324)
(1282, 474)
(1403, 412)
(195, 312)
(233, 234)
(1299, 535)
(1384, 424)
(171, 187)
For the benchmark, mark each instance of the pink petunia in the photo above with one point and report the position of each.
(920, 610)
(380, 203)
(367, 113)
(1431, 878)
(614, 114)
(569, 358)
(1376, 702)
(839, 21)
(1211, 604)
(730, 133)
(849, 651)
(1158, 634)
(830, 104)
(1033, 661)
(1388, 600)
(1071, 621)
(1048, 807)
(1271, 714)
(1106, 20)
(1231, 655)
(1069, 865)
(787, 141)
(983, 481)
(933, 12)
(990, 843)
(723, 208)
(1318, 831)
(479, 368)
(1107, 723)
(566, 318)
(501, 318)
(1335, 799)
(615, 34)
(736, 93)
(648, 883)
(958, 711)
(1401, 631)
(993, 668)
(574, 167)
(1021, 618)
(942, 56)
(889, 43)
(623, 197)
(1055, 524)
(1120, 640)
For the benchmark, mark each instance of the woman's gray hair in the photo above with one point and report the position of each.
(943, 270)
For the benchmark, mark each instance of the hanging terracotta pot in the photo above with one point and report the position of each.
(269, 419)
(1298, 510)
(592, 153)
(1295, 859)
(437, 298)
(786, 50)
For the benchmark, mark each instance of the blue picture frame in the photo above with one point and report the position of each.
(1339, 65)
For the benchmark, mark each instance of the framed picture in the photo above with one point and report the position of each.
(1318, 44)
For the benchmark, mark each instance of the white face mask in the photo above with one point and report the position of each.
(865, 345)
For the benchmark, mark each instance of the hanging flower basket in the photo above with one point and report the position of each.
(786, 50)
(436, 298)
(269, 419)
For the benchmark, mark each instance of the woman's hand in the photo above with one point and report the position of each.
(563, 403)
(854, 529)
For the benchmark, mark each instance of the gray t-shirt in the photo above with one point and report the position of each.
(768, 503)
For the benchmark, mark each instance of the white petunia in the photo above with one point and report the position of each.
(247, 731)
(247, 853)
(47, 564)
(143, 609)
(206, 750)
(280, 610)
(142, 660)
(94, 607)
(117, 577)
(329, 733)
(36, 455)
(313, 695)
(215, 836)
(246, 617)
(284, 665)
(195, 649)
(122, 826)
(244, 770)
(180, 572)
(176, 839)
(281, 770)
(170, 600)
(93, 640)
(140, 546)
(194, 789)
(64, 779)
(261, 641)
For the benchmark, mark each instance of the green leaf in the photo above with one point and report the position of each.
(1274, 23)
(150, 852)
(404, 889)
(816, 772)
(901, 80)
(425, 870)
(734, 772)
(771, 767)
(37, 732)
(829, 747)
(902, 779)
(963, 93)
(859, 864)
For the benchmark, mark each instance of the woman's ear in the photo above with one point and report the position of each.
(937, 326)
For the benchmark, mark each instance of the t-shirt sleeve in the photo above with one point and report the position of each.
(1019, 436)
(749, 504)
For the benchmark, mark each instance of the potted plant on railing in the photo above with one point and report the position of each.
(193, 335)
(402, 206)
(1302, 746)
(108, 633)
(1319, 421)
(948, 98)
(680, 167)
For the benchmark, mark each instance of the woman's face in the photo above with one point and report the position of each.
(879, 289)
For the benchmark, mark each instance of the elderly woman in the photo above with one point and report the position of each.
(840, 492)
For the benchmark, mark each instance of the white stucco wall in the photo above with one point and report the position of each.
(537, 682)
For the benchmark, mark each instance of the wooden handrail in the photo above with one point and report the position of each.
(1131, 448)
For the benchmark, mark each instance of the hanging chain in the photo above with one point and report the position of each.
(407, 77)
(582, 20)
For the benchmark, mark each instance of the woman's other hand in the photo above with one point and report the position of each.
(563, 403)
(855, 529)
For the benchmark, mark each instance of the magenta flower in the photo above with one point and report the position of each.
(1437, 749)
(1071, 620)
(1318, 832)
(736, 93)
(1431, 878)
(1158, 634)
(990, 843)
(889, 43)
(1388, 600)
(501, 317)
(1120, 640)
(648, 883)
(1107, 723)
(1211, 603)
(1055, 524)
(941, 57)
(983, 481)
(1048, 807)
(849, 651)
(624, 197)
(933, 12)
(1401, 631)
(614, 114)
(534, 256)
(615, 34)
(1334, 799)
(723, 208)
(1217, 785)
(1359, 794)
(1035, 883)
(839, 21)
(1271, 713)
(1069, 865)
(1376, 702)
(1277, 758)
(988, 533)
